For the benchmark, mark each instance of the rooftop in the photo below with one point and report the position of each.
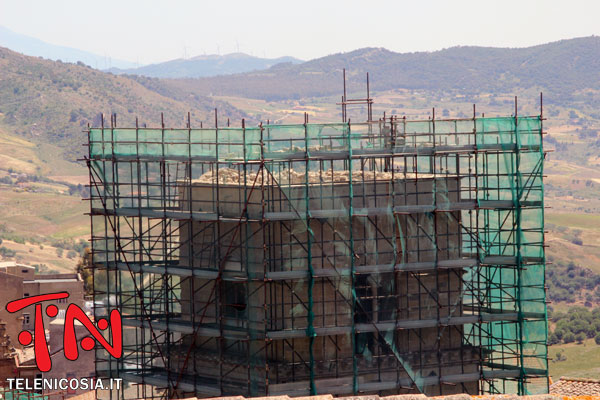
(54, 278)
(7, 264)
(566, 386)
(59, 280)
(551, 396)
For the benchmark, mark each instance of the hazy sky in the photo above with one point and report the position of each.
(152, 31)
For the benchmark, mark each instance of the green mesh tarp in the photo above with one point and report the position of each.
(346, 258)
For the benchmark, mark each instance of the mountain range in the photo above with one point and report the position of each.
(563, 70)
(560, 68)
(195, 67)
(38, 48)
(209, 65)
(52, 101)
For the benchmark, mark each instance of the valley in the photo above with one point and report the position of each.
(45, 107)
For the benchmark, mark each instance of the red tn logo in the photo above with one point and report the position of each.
(74, 312)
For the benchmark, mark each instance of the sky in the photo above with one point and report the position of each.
(150, 31)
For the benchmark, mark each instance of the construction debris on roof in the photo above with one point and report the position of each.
(576, 387)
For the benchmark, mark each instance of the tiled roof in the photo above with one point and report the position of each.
(576, 387)
(407, 397)
(564, 389)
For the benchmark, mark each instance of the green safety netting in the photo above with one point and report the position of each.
(356, 210)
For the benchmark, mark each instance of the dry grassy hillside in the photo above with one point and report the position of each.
(52, 102)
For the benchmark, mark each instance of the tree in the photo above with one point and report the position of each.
(553, 339)
(577, 241)
(559, 334)
(84, 269)
(569, 337)
(580, 337)
(597, 339)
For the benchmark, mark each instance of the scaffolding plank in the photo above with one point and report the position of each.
(371, 211)
(172, 269)
(374, 269)
(241, 276)
(396, 325)
(529, 371)
(508, 204)
(156, 213)
(510, 260)
(334, 154)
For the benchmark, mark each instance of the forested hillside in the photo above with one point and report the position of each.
(562, 69)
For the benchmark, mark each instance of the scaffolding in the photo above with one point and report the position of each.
(385, 257)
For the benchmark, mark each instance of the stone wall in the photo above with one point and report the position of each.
(278, 308)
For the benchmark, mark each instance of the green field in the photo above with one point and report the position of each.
(582, 360)
(574, 220)
(32, 214)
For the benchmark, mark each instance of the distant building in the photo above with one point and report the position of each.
(61, 366)
(11, 288)
(8, 351)
(36, 284)
(19, 281)
(18, 269)
(42, 284)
